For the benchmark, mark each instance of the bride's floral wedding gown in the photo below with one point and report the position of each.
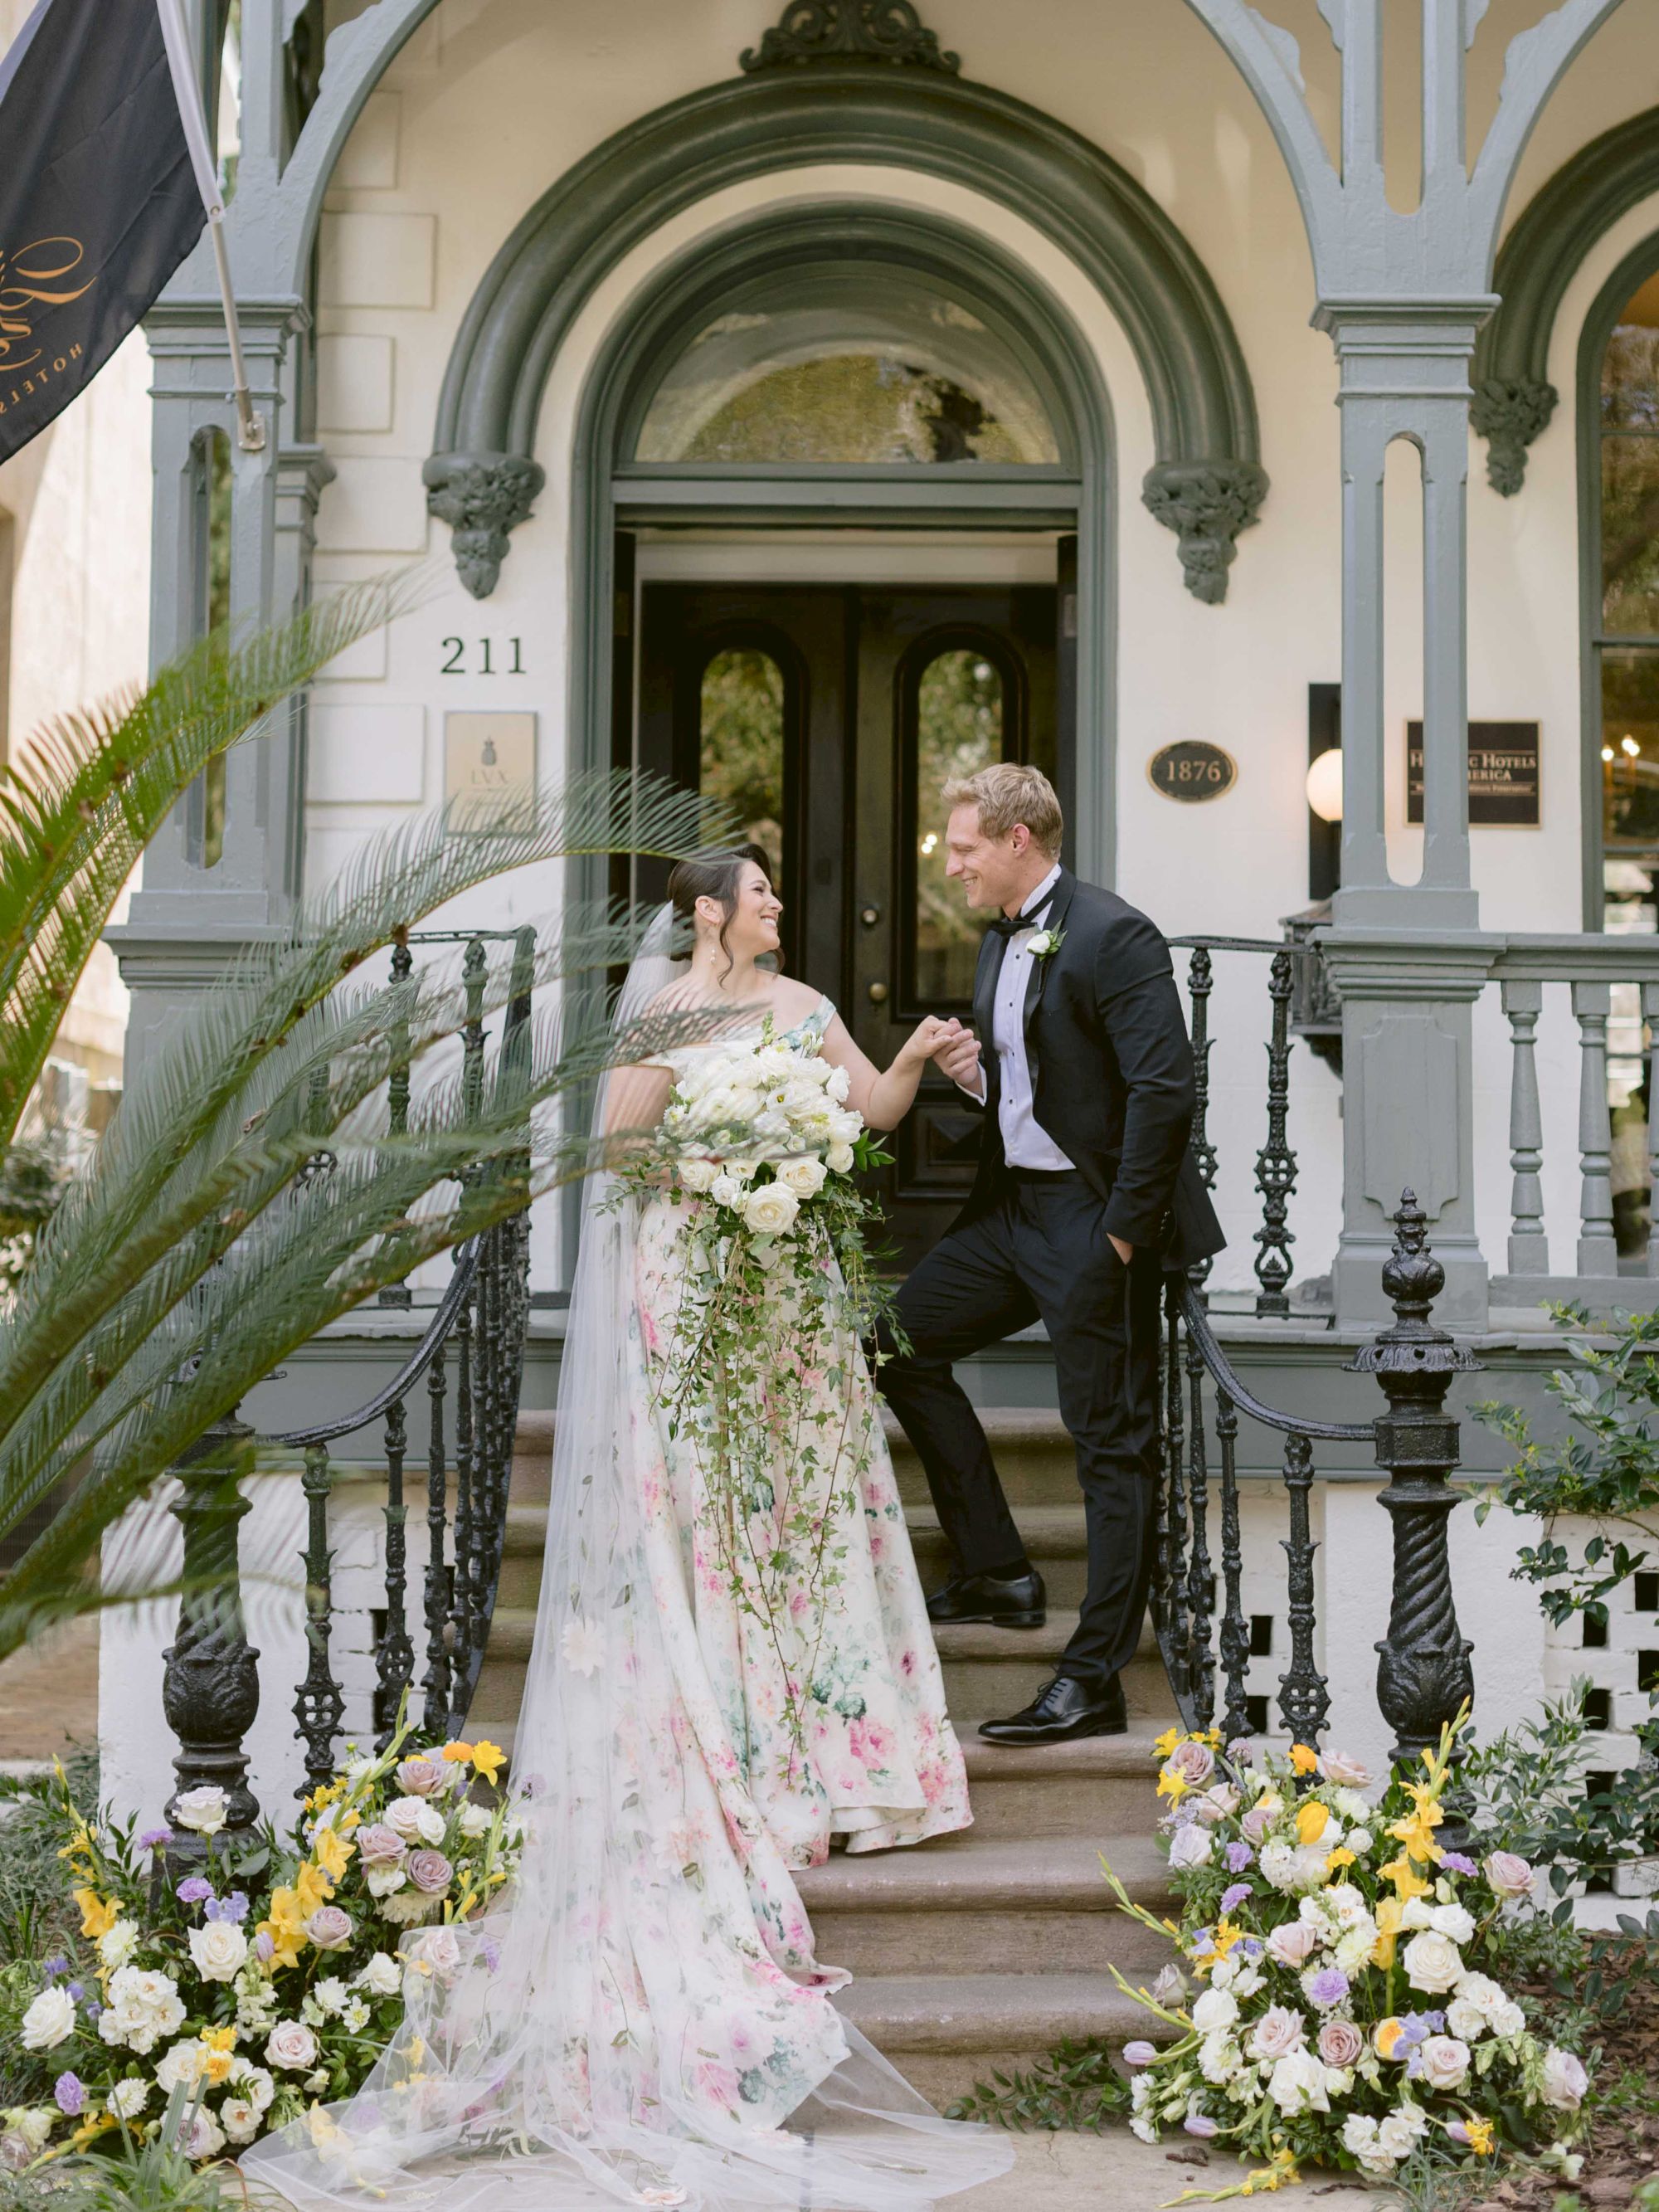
(643, 2020)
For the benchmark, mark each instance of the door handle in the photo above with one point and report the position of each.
(878, 994)
(870, 915)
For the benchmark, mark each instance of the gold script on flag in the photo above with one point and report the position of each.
(25, 277)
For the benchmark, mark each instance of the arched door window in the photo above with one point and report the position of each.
(743, 755)
(963, 721)
(1628, 626)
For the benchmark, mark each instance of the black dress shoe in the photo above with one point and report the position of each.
(1065, 1709)
(1001, 1601)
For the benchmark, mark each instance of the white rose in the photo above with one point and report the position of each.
(770, 1210)
(1398, 2134)
(402, 1817)
(1277, 2032)
(1297, 2084)
(291, 2045)
(181, 2067)
(1293, 1944)
(430, 1824)
(382, 1977)
(381, 1880)
(203, 1809)
(475, 1820)
(219, 1949)
(1564, 2079)
(205, 2138)
(35, 2125)
(837, 1084)
(1215, 2012)
(436, 1949)
(241, 2122)
(1432, 1962)
(1454, 1923)
(255, 2083)
(1445, 2062)
(1414, 1913)
(803, 1175)
(697, 1176)
(49, 2021)
(726, 1190)
(839, 1158)
(1192, 1847)
(128, 2098)
(118, 1943)
(1507, 2020)
(1477, 1996)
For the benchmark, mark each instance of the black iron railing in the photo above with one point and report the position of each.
(471, 1352)
(1203, 1630)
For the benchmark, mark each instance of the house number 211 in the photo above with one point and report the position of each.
(457, 664)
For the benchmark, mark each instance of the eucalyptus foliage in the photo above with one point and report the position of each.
(249, 1189)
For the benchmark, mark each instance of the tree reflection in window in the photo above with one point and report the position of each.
(961, 727)
(741, 742)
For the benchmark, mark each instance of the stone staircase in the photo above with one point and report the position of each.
(978, 1951)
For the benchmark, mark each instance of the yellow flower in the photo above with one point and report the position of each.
(457, 1753)
(286, 1927)
(1480, 2135)
(98, 1914)
(1167, 1742)
(1407, 1883)
(1172, 1785)
(1389, 1910)
(322, 2132)
(218, 2053)
(1302, 1760)
(1226, 1934)
(333, 1849)
(487, 1759)
(312, 1887)
(79, 1845)
(1387, 2037)
(1334, 1865)
(94, 2124)
(1311, 1821)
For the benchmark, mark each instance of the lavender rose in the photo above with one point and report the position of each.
(1340, 2043)
(1508, 1875)
(1278, 2033)
(1190, 1848)
(329, 1929)
(1193, 1762)
(379, 1845)
(424, 1777)
(1254, 1823)
(430, 1871)
(1337, 1766)
(1293, 1944)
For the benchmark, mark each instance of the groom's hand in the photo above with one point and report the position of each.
(958, 1058)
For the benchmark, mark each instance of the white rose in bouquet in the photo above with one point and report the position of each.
(181, 2067)
(1399, 2134)
(1445, 2061)
(1192, 1846)
(1216, 2009)
(201, 1810)
(697, 1176)
(291, 2046)
(475, 1822)
(382, 1976)
(770, 1210)
(1277, 2032)
(1297, 2084)
(1293, 1943)
(1432, 1963)
(726, 1190)
(203, 2138)
(241, 2122)
(1564, 2082)
(837, 1084)
(49, 2021)
(1454, 1922)
(839, 1158)
(219, 1949)
(803, 1175)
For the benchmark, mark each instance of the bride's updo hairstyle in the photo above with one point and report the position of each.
(716, 875)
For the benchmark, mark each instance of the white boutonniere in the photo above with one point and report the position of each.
(1046, 944)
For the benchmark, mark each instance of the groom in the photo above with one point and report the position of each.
(1086, 1192)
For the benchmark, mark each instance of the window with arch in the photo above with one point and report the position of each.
(743, 756)
(963, 722)
(867, 365)
(1627, 629)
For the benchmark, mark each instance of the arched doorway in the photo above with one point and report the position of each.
(847, 484)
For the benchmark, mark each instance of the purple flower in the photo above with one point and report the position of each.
(1235, 1895)
(1251, 1946)
(55, 1967)
(1199, 2123)
(154, 1839)
(263, 1946)
(94, 2012)
(232, 1908)
(430, 1871)
(1455, 1862)
(70, 2095)
(1413, 2029)
(193, 1889)
(1139, 2054)
(76, 1990)
(1239, 1855)
(491, 1952)
(1436, 2022)
(1327, 1988)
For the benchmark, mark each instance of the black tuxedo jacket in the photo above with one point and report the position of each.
(1111, 1070)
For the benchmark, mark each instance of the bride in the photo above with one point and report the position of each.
(733, 1671)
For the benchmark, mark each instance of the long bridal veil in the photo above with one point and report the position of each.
(641, 2021)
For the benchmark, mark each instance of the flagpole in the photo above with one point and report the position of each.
(250, 428)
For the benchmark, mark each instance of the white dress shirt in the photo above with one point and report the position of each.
(1025, 1143)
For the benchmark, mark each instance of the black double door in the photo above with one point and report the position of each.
(830, 718)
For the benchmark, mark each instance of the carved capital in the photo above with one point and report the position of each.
(483, 497)
(1509, 413)
(838, 30)
(1206, 504)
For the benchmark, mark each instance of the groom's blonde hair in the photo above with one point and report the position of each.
(1006, 794)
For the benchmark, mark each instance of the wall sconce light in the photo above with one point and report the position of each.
(1325, 784)
(1324, 789)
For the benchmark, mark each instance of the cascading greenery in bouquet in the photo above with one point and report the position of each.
(1337, 2003)
(264, 1980)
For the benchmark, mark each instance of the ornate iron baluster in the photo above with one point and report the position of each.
(1235, 1637)
(397, 1091)
(211, 1688)
(460, 1583)
(434, 1683)
(487, 1346)
(1303, 1694)
(1200, 983)
(394, 1661)
(1529, 1251)
(1200, 1582)
(1424, 1673)
(1177, 1652)
(320, 1706)
(1275, 1164)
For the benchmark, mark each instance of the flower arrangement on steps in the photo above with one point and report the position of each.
(270, 1977)
(1345, 2014)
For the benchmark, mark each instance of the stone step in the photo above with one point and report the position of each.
(977, 1904)
(1099, 1786)
(1056, 1540)
(944, 2032)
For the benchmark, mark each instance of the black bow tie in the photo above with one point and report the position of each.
(1003, 925)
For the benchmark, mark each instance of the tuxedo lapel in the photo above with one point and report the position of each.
(1036, 974)
(992, 951)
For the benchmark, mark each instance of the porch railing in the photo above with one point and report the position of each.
(1203, 1630)
(471, 1352)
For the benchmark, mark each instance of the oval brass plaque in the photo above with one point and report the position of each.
(1192, 768)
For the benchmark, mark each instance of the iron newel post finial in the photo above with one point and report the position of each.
(1423, 1674)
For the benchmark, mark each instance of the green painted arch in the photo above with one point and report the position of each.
(1514, 398)
(1207, 484)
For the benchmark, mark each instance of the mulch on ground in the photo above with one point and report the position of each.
(49, 1693)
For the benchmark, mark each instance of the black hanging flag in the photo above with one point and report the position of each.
(98, 205)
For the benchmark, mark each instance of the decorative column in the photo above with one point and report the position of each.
(1424, 1676)
(1403, 294)
(210, 1690)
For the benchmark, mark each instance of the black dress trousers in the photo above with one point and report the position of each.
(1040, 1252)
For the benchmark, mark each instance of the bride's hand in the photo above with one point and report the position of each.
(927, 1040)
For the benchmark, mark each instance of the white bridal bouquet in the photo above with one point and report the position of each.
(1337, 1999)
